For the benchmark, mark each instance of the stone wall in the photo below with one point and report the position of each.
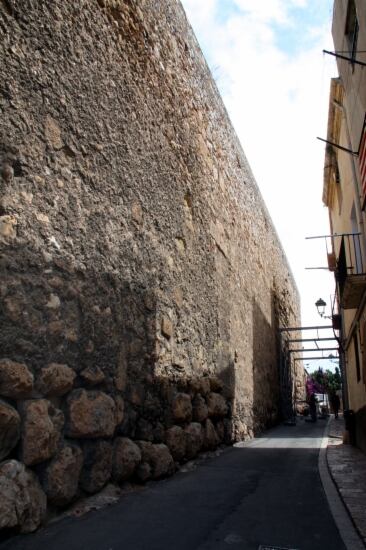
(142, 282)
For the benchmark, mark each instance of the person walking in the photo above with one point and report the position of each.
(312, 407)
(336, 403)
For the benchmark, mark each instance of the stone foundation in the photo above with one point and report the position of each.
(77, 442)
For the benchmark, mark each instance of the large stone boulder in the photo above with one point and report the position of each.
(152, 407)
(16, 380)
(9, 428)
(41, 430)
(120, 409)
(200, 410)
(220, 430)
(126, 458)
(120, 378)
(216, 404)
(194, 439)
(159, 433)
(97, 466)
(144, 430)
(182, 407)
(143, 472)
(194, 385)
(175, 439)
(22, 501)
(61, 477)
(90, 414)
(158, 458)
(55, 379)
(216, 384)
(92, 376)
(210, 437)
(205, 387)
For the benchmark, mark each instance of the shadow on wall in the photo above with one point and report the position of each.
(361, 429)
(266, 390)
(78, 380)
(54, 313)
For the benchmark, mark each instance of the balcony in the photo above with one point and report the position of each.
(350, 271)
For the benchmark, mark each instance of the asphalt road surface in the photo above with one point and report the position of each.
(267, 492)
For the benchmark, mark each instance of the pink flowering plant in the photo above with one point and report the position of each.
(312, 386)
(323, 382)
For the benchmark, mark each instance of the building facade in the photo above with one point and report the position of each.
(344, 193)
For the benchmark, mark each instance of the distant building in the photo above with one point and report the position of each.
(344, 193)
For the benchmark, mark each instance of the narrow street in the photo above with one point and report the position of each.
(265, 492)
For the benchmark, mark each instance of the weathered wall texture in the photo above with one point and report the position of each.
(142, 282)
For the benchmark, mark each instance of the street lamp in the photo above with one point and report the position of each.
(320, 306)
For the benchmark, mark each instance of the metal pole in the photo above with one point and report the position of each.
(350, 59)
(318, 327)
(312, 349)
(312, 339)
(319, 358)
(338, 146)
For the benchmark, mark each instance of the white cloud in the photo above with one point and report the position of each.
(276, 93)
(270, 10)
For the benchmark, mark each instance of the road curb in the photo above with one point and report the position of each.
(346, 528)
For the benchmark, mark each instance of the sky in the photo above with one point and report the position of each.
(267, 59)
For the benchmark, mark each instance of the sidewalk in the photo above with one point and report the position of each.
(347, 467)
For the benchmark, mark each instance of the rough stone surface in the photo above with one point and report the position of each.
(16, 380)
(144, 430)
(92, 376)
(200, 410)
(176, 440)
(120, 409)
(55, 380)
(9, 428)
(216, 405)
(42, 424)
(74, 289)
(158, 458)
(210, 437)
(144, 472)
(182, 408)
(126, 458)
(97, 465)
(61, 477)
(220, 430)
(194, 439)
(216, 384)
(22, 501)
(90, 414)
(205, 386)
(133, 238)
(167, 327)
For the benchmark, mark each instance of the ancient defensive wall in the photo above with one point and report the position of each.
(142, 282)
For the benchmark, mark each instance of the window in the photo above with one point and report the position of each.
(352, 28)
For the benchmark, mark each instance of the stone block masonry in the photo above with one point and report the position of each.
(142, 282)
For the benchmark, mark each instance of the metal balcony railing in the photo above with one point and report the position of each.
(347, 260)
(350, 270)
